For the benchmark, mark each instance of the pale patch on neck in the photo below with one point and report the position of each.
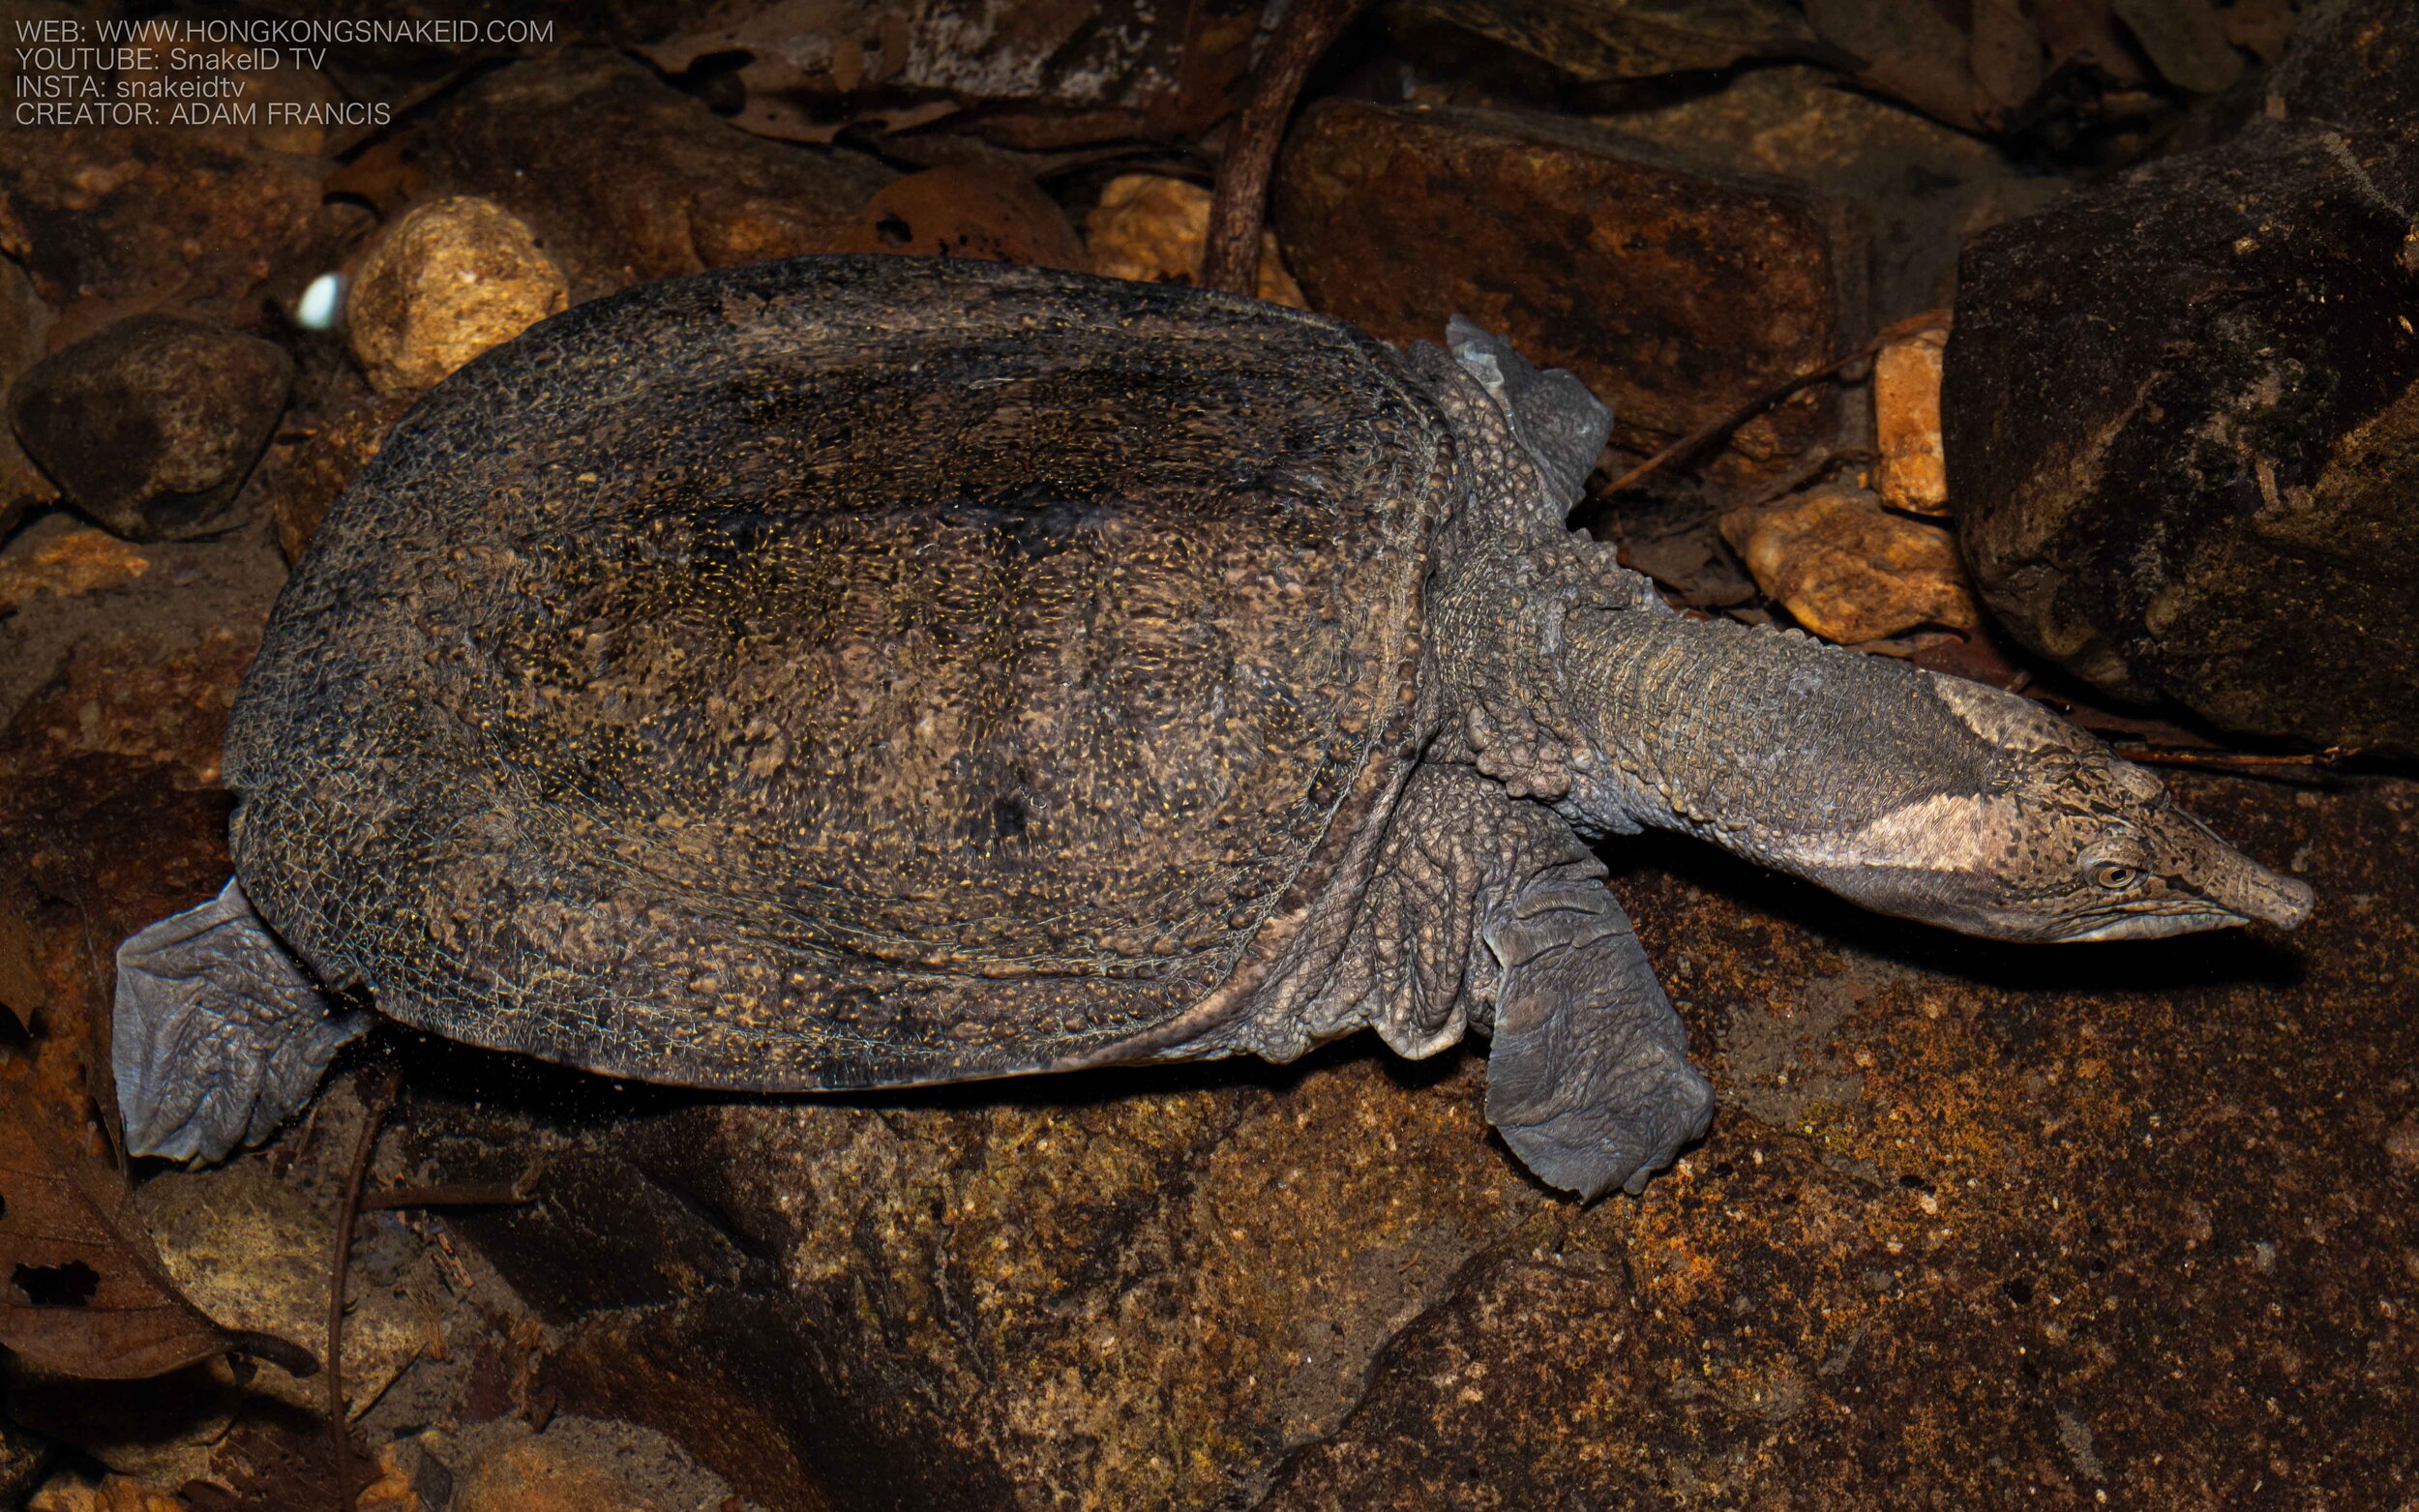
(2003, 719)
(1946, 832)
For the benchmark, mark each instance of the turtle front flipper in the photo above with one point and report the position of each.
(1587, 1079)
(218, 1032)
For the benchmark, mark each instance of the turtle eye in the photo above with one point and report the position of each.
(2114, 875)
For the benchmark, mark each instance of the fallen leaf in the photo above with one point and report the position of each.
(1909, 50)
(1592, 41)
(2005, 53)
(2183, 40)
(84, 1292)
(956, 211)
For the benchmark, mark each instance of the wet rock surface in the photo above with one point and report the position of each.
(2182, 414)
(151, 424)
(681, 190)
(2021, 1224)
(1676, 291)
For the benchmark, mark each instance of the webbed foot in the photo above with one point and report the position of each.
(1589, 1078)
(218, 1033)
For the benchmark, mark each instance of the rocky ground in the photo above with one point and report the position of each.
(1976, 1226)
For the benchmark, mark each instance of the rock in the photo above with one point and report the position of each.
(957, 212)
(72, 1492)
(2182, 424)
(150, 425)
(447, 282)
(248, 1244)
(1156, 230)
(1913, 475)
(68, 564)
(289, 100)
(1923, 188)
(680, 190)
(1676, 291)
(345, 428)
(407, 1478)
(1850, 571)
(1937, 1164)
(24, 320)
(24, 1458)
(535, 1475)
(192, 220)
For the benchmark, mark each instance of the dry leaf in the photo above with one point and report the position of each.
(957, 212)
(2005, 53)
(84, 1292)
(2183, 40)
(1596, 39)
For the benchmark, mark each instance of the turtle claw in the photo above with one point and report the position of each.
(218, 1033)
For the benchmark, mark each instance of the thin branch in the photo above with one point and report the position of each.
(1239, 205)
(2249, 763)
(1687, 444)
(378, 1096)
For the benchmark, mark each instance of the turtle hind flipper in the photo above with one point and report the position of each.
(1587, 1079)
(217, 1034)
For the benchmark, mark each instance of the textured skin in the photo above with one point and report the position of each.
(848, 672)
(861, 672)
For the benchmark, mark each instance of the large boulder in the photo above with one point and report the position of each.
(152, 424)
(1677, 289)
(2182, 414)
(1974, 1217)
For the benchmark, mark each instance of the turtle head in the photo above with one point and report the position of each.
(2054, 839)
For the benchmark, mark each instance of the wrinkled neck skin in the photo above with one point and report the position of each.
(1905, 791)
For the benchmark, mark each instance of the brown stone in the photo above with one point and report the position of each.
(2181, 418)
(677, 191)
(534, 1475)
(1156, 230)
(1922, 188)
(1676, 291)
(69, 564)
(442, 285)
(1850, 571)
(151, 426)
(1913, 474)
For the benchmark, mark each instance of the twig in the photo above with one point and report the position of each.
(2241, 761)
(378, 1096)
(1765, 400)
(1239, 203)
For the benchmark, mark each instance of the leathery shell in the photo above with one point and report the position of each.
(847, 671)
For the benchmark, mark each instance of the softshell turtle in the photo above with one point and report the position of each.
(851, 673)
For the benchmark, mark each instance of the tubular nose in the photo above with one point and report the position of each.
(2257, 893)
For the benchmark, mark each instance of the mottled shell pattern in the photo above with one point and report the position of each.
(848, 672)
